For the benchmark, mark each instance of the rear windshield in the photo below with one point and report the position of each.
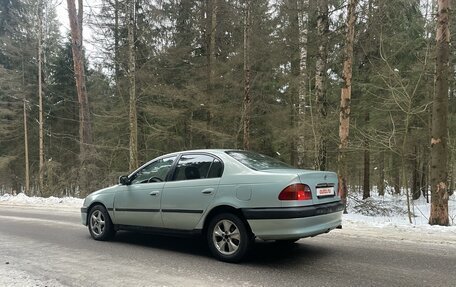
(257, 161)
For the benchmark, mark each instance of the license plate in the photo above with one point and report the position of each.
(325, 191)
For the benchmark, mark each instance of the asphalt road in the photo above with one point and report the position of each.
(45, 247)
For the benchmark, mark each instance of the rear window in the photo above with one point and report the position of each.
(257, 161)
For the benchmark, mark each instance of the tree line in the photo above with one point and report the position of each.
(362, 87)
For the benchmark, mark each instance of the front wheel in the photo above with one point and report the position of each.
(228, 237)
(100, 224)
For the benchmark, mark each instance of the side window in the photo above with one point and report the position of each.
(196, 166)
(216, 169)
(154, 172)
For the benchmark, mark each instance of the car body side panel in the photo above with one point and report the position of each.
(139, 204)
(105, 197)
(184, 202)
(225, 197)
(263, 191)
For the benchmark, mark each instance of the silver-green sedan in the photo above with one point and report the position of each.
(230, 197)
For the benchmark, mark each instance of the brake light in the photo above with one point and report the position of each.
(297, 191)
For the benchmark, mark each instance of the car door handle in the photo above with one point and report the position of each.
(207, 191)
(154, 193)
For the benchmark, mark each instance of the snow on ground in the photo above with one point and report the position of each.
(22, 199)
(389, 214)
(11, 276)
(392, 209)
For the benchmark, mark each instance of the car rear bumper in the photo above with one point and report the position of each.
(296, 222)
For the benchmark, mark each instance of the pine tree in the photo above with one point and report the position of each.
(344, 124)
(85, 128)
(247, 75)
(439, 149)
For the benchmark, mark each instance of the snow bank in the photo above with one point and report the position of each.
(22, 199)
(391, 211)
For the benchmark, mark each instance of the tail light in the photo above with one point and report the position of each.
(297, 191)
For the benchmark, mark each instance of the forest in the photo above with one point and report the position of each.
(365, 88)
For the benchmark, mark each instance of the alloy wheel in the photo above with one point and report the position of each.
(226, 237)
(97, 223)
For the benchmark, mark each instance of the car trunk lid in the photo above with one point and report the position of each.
(323, 185)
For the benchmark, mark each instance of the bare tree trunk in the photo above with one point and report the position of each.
(345, 97)
(360, 180)
(116, 45)
(211, 32)
(247, 75)
(188, 128)
(403, 156)
(396, 174)
(423, 176)
(80, 18)
(416, 174)
(381, 181)
(295, 72)
(26, 151)
(212, 43)
(366, 174)
(303, 26)
(85, 129)
(439, 148)
(451, 175)
(320, 80)
(40, 97)
(428, 179)
(132, 87)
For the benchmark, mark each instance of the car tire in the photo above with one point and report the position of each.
(228, 237)
(100, 224)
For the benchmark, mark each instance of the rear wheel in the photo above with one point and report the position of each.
(228, 237)
(100, 224)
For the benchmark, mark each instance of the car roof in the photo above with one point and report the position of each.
(212, 151)
(207, 150)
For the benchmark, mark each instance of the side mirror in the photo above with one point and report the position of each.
(123, 180)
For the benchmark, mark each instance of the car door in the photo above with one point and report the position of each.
(138, 203)
(192, 188)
